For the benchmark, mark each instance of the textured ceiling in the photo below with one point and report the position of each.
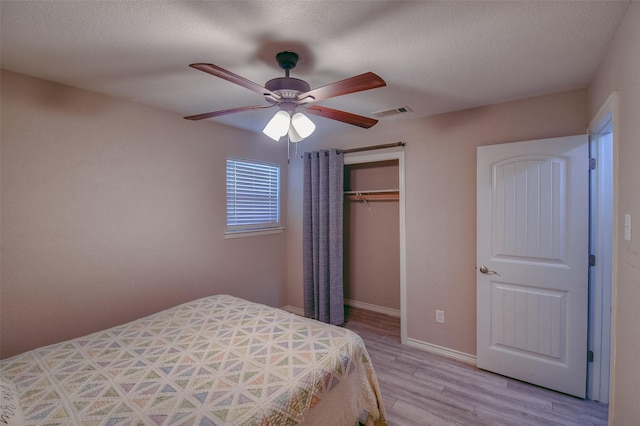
(435, 56)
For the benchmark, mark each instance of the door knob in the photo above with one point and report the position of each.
(485, 270)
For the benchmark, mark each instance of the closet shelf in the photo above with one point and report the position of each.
(373, 195)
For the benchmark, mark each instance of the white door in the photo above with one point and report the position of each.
(532, 249)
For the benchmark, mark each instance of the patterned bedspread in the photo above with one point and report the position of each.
(219, 360)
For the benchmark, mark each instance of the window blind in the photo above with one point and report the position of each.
(253, 196)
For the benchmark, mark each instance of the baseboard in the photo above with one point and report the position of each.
(441, 350)
(293, 310)
(374, 308)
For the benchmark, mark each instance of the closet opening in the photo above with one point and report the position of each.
(374, 240)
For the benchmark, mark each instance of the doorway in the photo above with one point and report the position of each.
(371, 237)
(532, 247)
(601, 249)
(351, 159)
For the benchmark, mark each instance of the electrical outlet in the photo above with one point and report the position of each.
(439, 316)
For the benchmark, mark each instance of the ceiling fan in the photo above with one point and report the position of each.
(292, 96)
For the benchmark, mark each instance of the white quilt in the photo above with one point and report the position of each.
(219, 360)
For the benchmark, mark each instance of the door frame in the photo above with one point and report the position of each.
(603, 208)
(399, 156)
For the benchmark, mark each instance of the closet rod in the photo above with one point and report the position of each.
(371, 191)
(369, 148)
(373, 197)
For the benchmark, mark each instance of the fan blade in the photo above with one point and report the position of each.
(345, 117)
(234, 78)
(358, 83)
(225, 112)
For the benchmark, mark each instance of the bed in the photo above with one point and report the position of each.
(219, 360)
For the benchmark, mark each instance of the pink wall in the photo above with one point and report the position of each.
(620, 71)
(112, 210)
(440, 175)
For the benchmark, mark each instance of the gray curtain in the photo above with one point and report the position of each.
(322, 236)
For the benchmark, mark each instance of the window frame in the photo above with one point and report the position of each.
(235, 230)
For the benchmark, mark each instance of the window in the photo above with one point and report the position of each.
(253, 196)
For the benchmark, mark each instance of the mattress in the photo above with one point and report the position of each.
(219, 360)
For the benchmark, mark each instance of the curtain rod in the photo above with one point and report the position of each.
(364, 148)
(369, 148)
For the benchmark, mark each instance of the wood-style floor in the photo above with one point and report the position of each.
(421, 388)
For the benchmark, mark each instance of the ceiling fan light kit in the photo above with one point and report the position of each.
(291, 94)
(278, 125)
(302, 125)
(297, 127)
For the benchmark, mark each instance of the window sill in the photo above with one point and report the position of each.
(252, 233)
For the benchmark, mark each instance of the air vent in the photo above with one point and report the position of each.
(394, 111)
